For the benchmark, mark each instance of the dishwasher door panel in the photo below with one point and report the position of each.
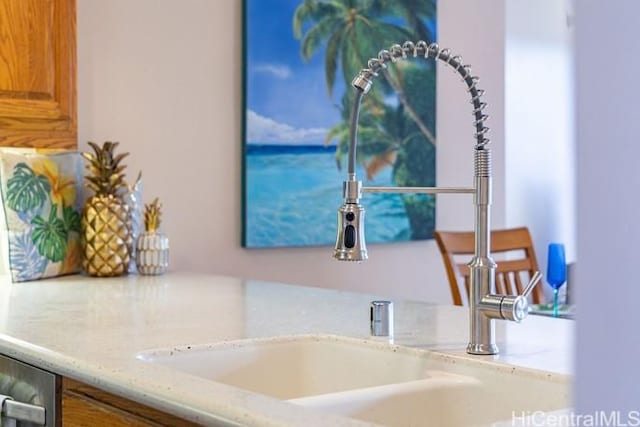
(26, 384)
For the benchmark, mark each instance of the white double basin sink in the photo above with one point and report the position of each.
(373, 381)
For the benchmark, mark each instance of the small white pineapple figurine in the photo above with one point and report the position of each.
(152, 246)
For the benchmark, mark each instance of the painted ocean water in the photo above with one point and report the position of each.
(293, 193)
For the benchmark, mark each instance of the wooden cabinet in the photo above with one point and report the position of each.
(87, 406)
(38, 73)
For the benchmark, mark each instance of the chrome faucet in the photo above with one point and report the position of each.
(484, 304)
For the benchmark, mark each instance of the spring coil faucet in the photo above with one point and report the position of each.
(484, 304)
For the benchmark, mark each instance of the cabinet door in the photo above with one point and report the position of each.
(87, 406)
(81, 411)
(38, 73)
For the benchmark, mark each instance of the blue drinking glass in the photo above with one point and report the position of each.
(556, 271)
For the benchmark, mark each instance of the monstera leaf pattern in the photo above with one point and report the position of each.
(26, 262)
(42, 212)
(50, 236)
(26, 191)
(71, 219)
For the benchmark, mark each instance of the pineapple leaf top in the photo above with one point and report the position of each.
(152, 214)
(105, 169)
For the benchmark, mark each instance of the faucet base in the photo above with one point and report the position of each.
(482, 349)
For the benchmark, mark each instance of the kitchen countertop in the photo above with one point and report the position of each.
(91, 330)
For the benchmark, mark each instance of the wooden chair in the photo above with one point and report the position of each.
(510, 272)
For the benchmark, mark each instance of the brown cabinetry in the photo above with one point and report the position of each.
(83, 405)
(38, 73)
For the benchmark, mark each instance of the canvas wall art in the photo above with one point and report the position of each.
(39, 213)
(300, 57)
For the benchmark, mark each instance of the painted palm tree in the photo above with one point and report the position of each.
(415, 13)
(383, 127)
(389, 138)
(393, 140)
(353, 31)
(372, 110)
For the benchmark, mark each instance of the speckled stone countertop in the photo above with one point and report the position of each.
(92, 329)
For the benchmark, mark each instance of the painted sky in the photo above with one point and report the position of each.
(287, 99)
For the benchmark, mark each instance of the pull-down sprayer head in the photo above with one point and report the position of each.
(350, 244)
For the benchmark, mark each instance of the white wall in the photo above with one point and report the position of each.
(540, 147)
(476, 31)
(164, 78)
(608, 150)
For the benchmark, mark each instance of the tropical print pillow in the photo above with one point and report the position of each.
(41, 205)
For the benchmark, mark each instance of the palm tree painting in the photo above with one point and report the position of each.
(300, 57)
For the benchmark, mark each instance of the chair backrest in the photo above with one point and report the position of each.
(512, 274)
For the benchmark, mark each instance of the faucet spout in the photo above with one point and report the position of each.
(482, 266)
(484, 304)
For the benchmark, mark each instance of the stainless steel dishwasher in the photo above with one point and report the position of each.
(28, 395)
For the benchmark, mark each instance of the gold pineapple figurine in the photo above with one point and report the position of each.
(152, 246)
(106, 232)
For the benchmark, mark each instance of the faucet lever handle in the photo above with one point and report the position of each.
(532, 284)
(516, 307)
